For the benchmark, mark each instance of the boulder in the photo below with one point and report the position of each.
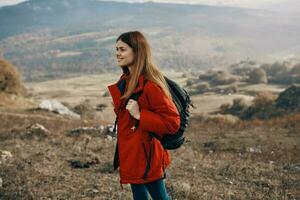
(36, 131)
(56, 106)
(5, 156)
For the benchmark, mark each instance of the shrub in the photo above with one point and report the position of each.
(267, 67)
(289, 99)
(295, 70)
(264, 99)
(10, 81)
(231, 89)
(223, 119)
(242, 68)
(258, 75)
(208, 76)
(239, 104)
(85, 109)
(276, 68)
(223, 78)
(202, 87)
(225, 107)
(190, 82)
(238, 107)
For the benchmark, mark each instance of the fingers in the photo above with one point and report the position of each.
(128, 106)
(131, 101)
(133, 108)
(131, 104)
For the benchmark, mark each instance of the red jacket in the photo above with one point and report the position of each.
(158, 115)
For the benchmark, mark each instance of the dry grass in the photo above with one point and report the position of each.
(223, 159)
(216, 163)
(246, 160)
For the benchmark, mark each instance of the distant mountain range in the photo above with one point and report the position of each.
(285, 7)
(52, 38)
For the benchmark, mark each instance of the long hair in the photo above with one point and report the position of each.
(142, 64)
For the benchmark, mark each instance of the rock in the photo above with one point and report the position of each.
(5, 156)
(110, 130)
(38, 127)
(109, 138)
(1, 183)
(56, 106)
(100, 127)
(261, 184)
(101, 107)
(84, 108)
(209, 144)
(94, 190)
(36, 131)
(93, 131)
(186, 187)
(86, 163)
(254, 150)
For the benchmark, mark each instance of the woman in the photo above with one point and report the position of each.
(140, 157)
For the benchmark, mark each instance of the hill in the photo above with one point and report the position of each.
(51, 39)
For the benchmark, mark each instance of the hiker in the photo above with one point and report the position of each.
(140, 157)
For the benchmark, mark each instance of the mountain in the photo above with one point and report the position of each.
(57, 14)
(52, 38)
(285, 7)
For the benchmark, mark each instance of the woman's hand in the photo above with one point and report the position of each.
(133, 108)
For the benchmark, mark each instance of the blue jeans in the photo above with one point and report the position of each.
(157, 190)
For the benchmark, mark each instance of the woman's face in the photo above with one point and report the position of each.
(124, 54)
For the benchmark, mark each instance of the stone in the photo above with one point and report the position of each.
(5, 156)
(56, 106)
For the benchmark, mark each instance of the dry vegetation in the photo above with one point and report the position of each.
(221, 160)
(244, 160)
(265, 105)
(224, 158)
(12, 90)
(10, 81)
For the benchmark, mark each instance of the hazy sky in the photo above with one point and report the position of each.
(239, 3)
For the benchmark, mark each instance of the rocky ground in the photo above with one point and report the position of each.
(47, 156)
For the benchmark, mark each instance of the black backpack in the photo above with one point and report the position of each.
(182, 100)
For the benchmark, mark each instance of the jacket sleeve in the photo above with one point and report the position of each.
(163, 117)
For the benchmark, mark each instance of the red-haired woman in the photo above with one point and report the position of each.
(140, 157)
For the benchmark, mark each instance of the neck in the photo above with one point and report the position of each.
(130, 69)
